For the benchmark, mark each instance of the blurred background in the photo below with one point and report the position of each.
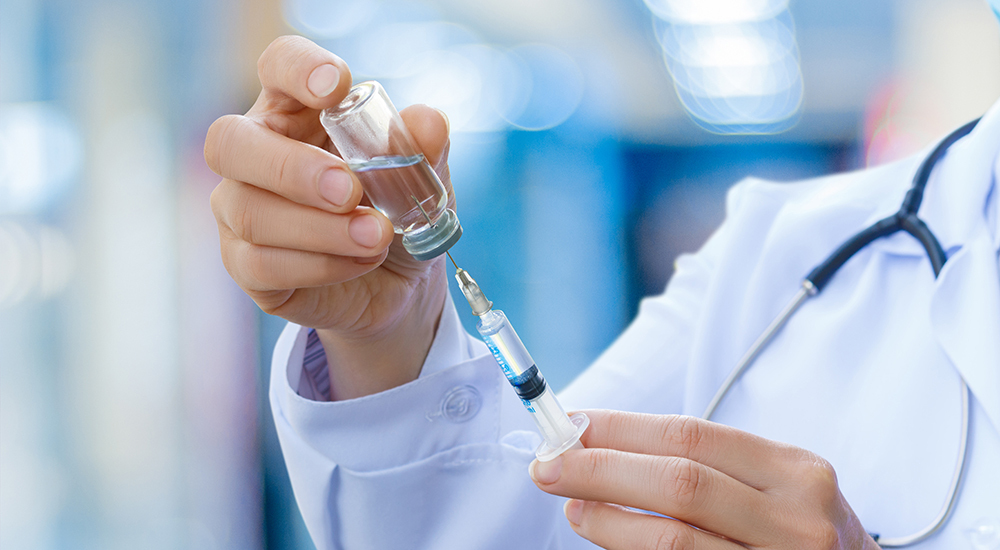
(593, 141)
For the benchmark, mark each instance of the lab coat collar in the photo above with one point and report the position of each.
(955, 200)
(965, 316)
(965, 308)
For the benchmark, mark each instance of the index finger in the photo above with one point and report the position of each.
(675, 487)
(751, 459)
(241, 149)
(296, 72)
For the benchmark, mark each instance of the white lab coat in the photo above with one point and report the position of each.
(866, 374)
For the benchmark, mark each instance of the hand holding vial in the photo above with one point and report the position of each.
(301, 239)
(372, 138)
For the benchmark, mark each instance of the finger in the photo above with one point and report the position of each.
(263, 218)
(241, 149)
(429, 127)
(294, 70)
(753, 460)
(672, 486)
(265, 268)
(615, 527)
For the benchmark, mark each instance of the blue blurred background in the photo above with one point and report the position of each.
(133, 409)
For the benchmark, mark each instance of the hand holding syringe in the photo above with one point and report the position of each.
(559, 431)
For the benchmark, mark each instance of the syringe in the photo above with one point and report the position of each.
(559, 431)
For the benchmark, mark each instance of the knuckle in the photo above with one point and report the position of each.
(223, 201)
(244, 211)
(670, 536)
(817, 480)
(599, 464)
(280, 169)
(276, 49)
(819, 535)
(217, 201)
(217, 141)
(247, 214)
(255, 264)
(685, 433)
(820, 479)
(684, 482)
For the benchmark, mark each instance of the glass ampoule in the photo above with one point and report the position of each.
(370, 136)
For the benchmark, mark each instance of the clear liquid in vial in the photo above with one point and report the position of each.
(395, 185)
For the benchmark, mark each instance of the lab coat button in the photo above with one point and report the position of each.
(461, 404)
(985, 534)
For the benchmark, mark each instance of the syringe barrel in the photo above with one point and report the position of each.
(507, 348)
(555, 427)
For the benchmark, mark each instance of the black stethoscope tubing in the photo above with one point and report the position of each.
(905, 219)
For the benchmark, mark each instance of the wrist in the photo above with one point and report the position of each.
(361, 365)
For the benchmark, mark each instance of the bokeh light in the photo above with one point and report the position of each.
(446, 80)
(397, 49)
(712, 12)
(504, 87)
(556, 87)
(735, 77)
(420, 58)
(40, 154)
(329, 18)
(38, 262)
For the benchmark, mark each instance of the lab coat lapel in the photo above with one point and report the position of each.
(965, 308)
(965, 315)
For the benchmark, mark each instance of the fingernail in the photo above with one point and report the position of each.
(447, 123)
(546, 472)
(573, 510)
(323, 80)
(365, 230)
(336, 186)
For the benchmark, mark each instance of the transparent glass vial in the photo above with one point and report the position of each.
(371, 137)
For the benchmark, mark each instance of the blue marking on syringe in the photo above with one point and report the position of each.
(516, 380)
(507, 371)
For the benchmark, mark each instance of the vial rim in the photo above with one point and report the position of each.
(435, 240)
(367, 91)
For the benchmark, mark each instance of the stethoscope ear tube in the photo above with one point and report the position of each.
(911, 203)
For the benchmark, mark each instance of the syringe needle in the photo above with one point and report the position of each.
(452, 260)
(424, 212)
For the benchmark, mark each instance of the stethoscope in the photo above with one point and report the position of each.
(904, 220)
